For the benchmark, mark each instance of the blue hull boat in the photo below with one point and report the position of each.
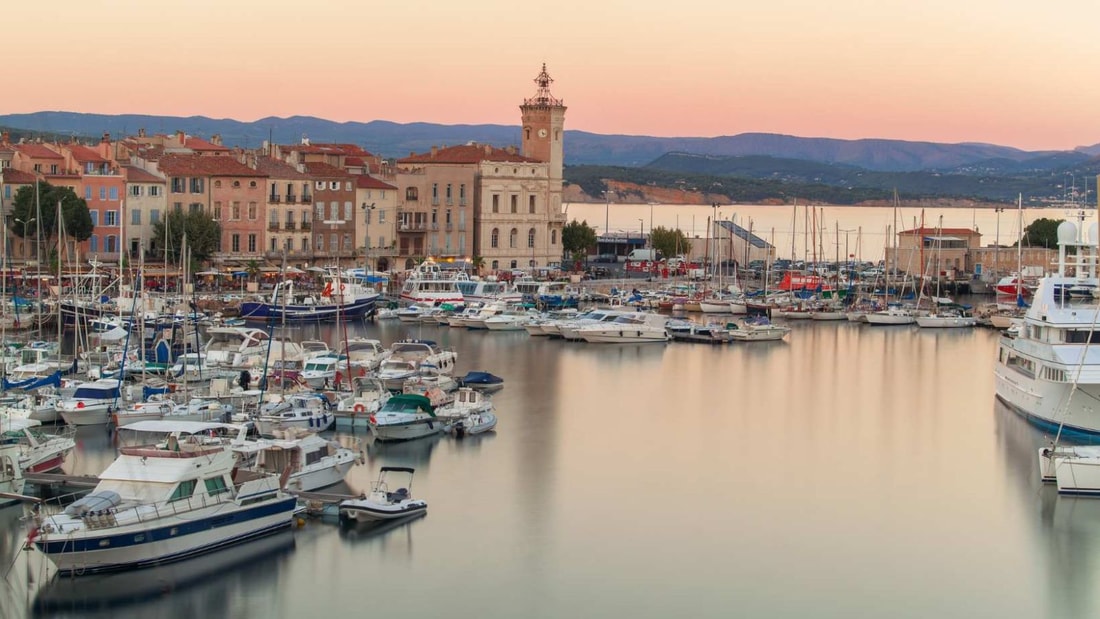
(360, 308)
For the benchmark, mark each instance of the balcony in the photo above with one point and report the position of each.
(307, 199)
(416, 226)
(306, 226)
(448, 226)
(272, 226)
(435, 226)
(274, 199)
(290, 225)
(292, 199)
(435, 201)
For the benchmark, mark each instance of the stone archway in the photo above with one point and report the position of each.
(410, 264)
(383, 265)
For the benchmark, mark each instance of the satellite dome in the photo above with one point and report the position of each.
(1067, 233)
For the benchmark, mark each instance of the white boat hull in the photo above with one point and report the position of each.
(367, 511)
(828, 316)
(1044, 402)
(92, 415)
(888, 319)
(407, 431)
(946, 322)
(306, 481)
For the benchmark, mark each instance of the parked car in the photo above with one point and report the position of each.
(609, 258)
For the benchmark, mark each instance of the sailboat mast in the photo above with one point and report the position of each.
(1020, 248)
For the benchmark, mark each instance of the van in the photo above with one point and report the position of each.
(641, 255)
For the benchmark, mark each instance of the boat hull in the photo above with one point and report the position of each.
(1044, 404)
(178, 537)
(95, 415)
(407, 431)
(306, 481)
(359, 308)
(366, 512)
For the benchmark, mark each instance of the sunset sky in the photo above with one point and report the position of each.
(1007, 72)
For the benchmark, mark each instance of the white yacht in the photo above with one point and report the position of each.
(630, 328)
(161, 503)
(405, 417)
(38, 452)
(91, 402)
(11, 476)
(1049, 371)
(310, 412)
(410, 358)
(320, 372)
(312, 461)
(364, 352)
(428, 283)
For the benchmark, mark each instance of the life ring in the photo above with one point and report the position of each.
(343, 287)
(359, 408)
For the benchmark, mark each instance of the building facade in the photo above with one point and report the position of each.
(376, 226)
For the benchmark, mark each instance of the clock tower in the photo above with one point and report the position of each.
(543, 119)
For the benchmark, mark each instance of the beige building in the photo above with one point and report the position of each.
(376, 225)
(932, 250)
(288, 219)
(515, 228)
(146, 204)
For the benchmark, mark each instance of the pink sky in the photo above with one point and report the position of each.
(1007, 72)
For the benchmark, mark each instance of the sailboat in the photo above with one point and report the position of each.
(893, 314)
(944, 314)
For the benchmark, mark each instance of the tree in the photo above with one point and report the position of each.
(577, 238)
(669, 242)
(204, 235)
(1042, 232)
(35, 217)
(253, 270)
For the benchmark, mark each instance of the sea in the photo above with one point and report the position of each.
(848, 471)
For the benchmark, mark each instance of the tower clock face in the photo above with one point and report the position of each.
(542, 133)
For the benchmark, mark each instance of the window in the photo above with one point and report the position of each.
(236, 242)
(305, 243)
(435, 193)
(411, 194)
(236, 214)
(531, 238)
(512, 237)
(332, 242)
(111, 244)
(515, 203)
(496, 203)
(345, 243)
(194, 207)
(217, 211)
(320, 206)
(320, 244)
(215, 486)
(252, 184)
(217, 184)
(553, 237)
(197, 185)
(113, 193)
(496, 265)
(93, 243)
(95, 217)
(87, 193)
(252, 211)
(186, 488)
(450, 199)
(252, 243)
(320, 185)
(334, 185)
(515, 263)
(366, 215)
(334, 211)
(494, 239)
(531, 204)
(110, 218)
(135, 190)
(381, 217)
(236, 184)
(347, 211)
(462, 194)
(154, 215)
(177, 206)
(448, 219)
(154, 190)
(135, 217)
(102, 193)
(347, 185)
(7, 192)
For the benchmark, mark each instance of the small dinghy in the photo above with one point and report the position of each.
(382, 505)
(482, 381)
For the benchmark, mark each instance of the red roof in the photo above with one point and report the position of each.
(278, 169)
(941, 232)
(362, 181)
(198, 165)
(199, 144)
(469, 153)
(328, 149)
(37, 151)
(353, 161)
(138, 175)
(11, 176)
(324, 170)
(83, 154)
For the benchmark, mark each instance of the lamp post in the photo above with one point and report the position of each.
(641, 228)
(607, 211)
(997, 242)
(366, 208)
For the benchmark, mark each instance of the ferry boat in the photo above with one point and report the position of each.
(486, 291)
(162, 503)
(1049, 369)
(428, 283)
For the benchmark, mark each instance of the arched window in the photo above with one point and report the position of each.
(494, 239)
(512, 237)
(553, 237)
(531, 237)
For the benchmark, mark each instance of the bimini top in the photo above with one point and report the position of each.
(408, 403)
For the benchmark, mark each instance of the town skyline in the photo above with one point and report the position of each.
(1003, 73)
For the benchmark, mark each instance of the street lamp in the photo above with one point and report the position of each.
(641, 227)
(607, 211)
(997, 243)
(25, 224)
(366, 208)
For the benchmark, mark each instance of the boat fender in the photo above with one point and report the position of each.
(373, 419)
(359, 408)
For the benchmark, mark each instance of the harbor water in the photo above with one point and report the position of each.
(850, 471)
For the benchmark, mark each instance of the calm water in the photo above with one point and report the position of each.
(849, 472)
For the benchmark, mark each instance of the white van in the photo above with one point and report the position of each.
(640, 255)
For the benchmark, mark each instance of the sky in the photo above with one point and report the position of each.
(1009, 72)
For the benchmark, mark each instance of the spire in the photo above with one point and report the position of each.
(542, 95)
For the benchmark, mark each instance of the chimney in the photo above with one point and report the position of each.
(141, 132)
(5, 137)
(435, 149)
(488, 150)
(181, 137)
(106, 137)
(216, 139)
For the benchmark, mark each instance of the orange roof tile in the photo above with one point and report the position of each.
(11, 176)
(37, 151)
(83, 154)
(468, 153)
(138, 175)
(363, 181)
(278, 169)
(324, 170)
(199, 144)
(197, 165)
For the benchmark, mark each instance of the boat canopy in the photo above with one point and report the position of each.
(95, 393)
(408, 403)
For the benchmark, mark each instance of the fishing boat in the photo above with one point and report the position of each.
(161, 503)
(404, 417)
(347, 299)
(381, 504)
(312, 461)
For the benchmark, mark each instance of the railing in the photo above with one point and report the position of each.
(412, 227)
(272, 226)
(435, 201)
(462, 201)
(292, 199)
(290, 225)
(435, 226)
(307, 199)
(306, 226)
(274, 199)
(449, 226)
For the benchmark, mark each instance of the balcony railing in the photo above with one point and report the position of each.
(448, 226)
(435, 226)
(417, 226)
(272, 226)
(306, 226)
(274, 199)
(435, 201)
(290, 225)
(307, 199)
(292, 199)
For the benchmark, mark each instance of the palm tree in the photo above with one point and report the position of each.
(477, 262)
(253, 270)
